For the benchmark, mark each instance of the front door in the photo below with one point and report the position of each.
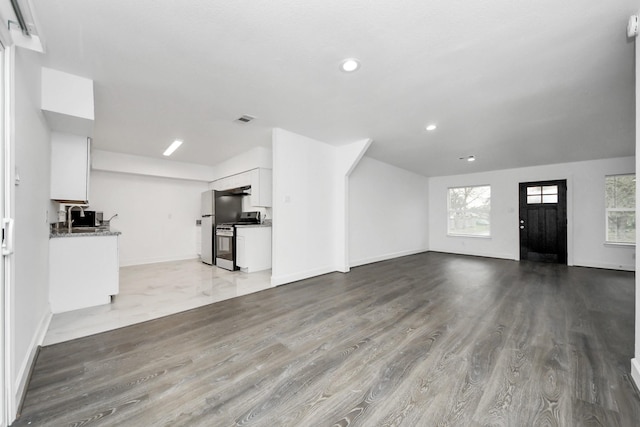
(543, 221)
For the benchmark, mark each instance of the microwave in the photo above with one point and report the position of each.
(89, 219)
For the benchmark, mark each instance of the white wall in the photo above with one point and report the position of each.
(157, 216)
(259, 157)
(585, 212)
(347, 158)
(33, 210)
(387, 212)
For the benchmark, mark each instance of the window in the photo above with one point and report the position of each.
(469, 211)
(544, 194)
(620, 195)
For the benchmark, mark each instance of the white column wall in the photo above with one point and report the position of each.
(303, 209)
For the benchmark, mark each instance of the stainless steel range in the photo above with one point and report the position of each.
(226, 246)
(226, 240)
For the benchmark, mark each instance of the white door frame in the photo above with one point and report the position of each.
(7, 393)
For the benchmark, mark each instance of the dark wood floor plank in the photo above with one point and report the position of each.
(429, 339)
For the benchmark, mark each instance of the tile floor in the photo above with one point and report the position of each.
(156, 290)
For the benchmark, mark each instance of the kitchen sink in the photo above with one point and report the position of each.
(88, 230)
(84, 230)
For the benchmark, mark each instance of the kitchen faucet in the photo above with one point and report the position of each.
(106, 224)
(69, 220)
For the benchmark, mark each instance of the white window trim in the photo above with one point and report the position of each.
(473, 236)
(606, 227)
(608, 242)
(477, 236)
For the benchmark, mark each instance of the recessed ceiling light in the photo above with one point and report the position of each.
(173, 147)
(431, 127)
(350, 65)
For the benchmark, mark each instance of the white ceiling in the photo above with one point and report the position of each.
(515, 83)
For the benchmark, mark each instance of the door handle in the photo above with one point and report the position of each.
(7, 236)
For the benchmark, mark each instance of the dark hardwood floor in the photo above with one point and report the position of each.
(426, 340)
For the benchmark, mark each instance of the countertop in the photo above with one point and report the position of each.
(65, 233)
(252, 225)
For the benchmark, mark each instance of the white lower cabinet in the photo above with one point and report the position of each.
(253, 248)
(83, 271)
(241, 252)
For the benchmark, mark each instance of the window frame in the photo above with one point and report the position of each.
(451, 233)
(607, 209)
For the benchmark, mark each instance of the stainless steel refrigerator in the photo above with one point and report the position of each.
(217, 207)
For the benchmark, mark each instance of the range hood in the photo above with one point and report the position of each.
(240, 191)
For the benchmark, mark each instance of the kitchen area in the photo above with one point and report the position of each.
(134, 238)
(234, 259)
(232, 237)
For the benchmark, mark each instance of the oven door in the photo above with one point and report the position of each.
(225, 251)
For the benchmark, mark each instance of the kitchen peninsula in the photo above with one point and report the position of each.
(83, 267)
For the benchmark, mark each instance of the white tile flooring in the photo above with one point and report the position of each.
(156, 290)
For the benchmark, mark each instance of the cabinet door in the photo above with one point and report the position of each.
(241, 252)
(261, 187)
(243, 179)
(69, 167)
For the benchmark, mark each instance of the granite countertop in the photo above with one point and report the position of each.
(65, 233)
(253, 225)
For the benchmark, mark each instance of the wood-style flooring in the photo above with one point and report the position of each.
(426, 340)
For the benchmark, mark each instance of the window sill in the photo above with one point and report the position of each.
(620, 245)
(473, 236)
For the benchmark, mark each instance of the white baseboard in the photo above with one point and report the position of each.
(25, 367)
(288, 278)
(384, 257)
(608, 266)
(155, 260)
(480, 254)
(635, 371)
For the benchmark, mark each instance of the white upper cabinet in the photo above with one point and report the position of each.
(259, 179)
(233, 181)
(70, 163)
(261, 191)
(67, 102)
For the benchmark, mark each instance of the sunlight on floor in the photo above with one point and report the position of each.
(155, 290)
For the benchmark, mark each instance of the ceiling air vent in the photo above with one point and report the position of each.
(245, 119)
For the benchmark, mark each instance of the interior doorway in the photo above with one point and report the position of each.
(543, 221)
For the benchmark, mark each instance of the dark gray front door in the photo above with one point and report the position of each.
(543, 221)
